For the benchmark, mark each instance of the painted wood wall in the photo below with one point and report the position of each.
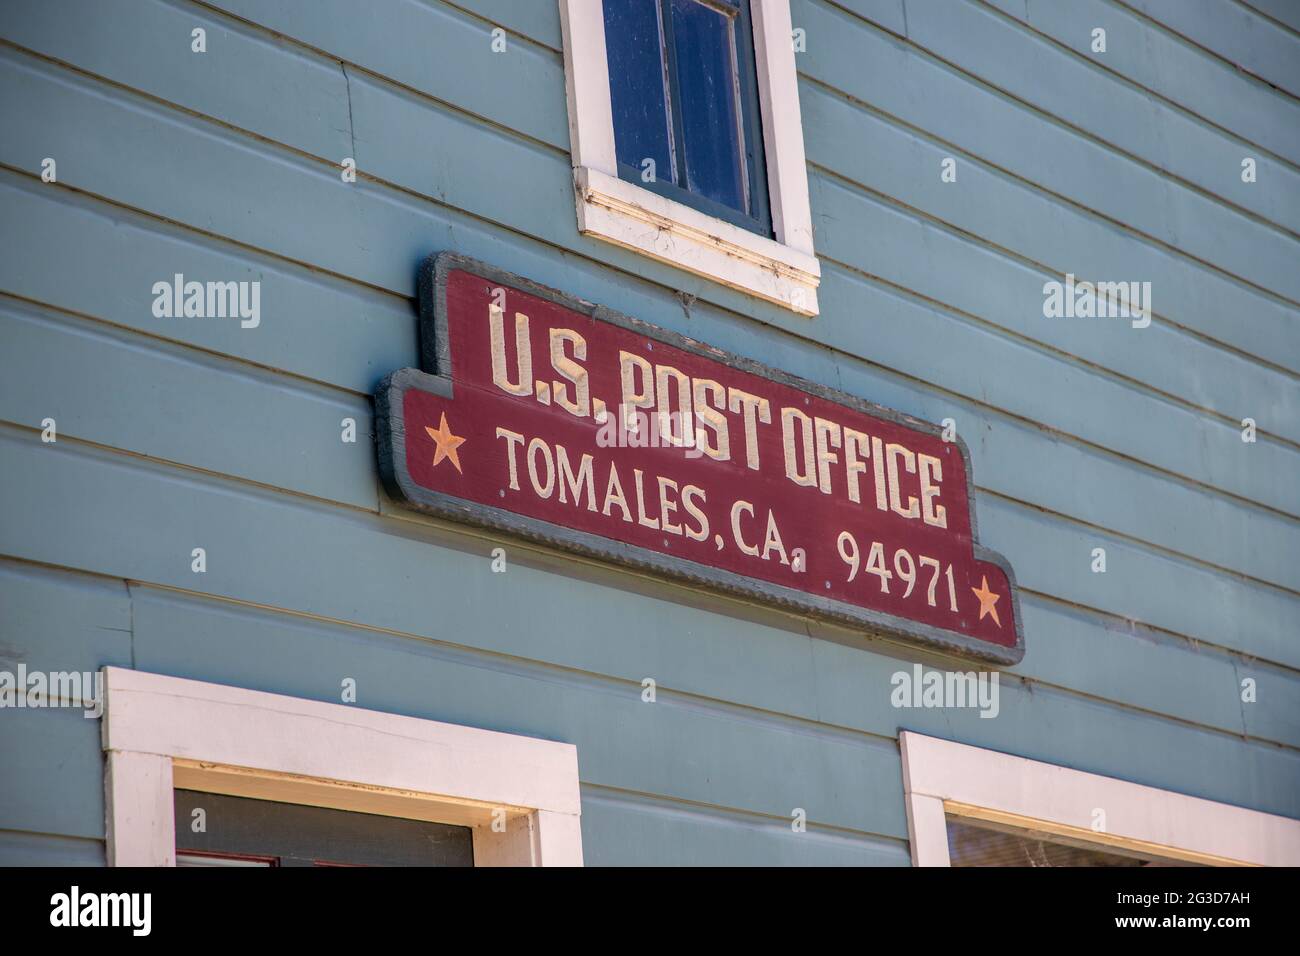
(182, 433)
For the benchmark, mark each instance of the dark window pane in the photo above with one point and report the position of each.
(704, 45)
(251, 832)
(637, 92)
(989, 844)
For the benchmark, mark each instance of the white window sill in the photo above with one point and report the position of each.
(627, 215)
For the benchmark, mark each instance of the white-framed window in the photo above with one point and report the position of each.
(518, 795)
(694, 155)
(971, 806)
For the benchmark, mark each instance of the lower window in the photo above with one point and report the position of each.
(967, 806)
(217, 830)
(972, 843)
(207, 774)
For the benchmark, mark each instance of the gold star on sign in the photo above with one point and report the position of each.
(987, 600)
(447, 443)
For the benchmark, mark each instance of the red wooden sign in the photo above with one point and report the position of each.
(547, 417)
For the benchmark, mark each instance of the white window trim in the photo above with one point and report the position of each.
(783, 270)
(160, 733)
(944, 778)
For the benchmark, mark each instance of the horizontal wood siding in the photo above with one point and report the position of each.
(182, 433)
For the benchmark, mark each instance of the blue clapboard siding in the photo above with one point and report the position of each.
(620, 829)
(407, 61)
(196, 429)
(861, 61)
(38, 849)
(1033, 223)
(959, 114)
(1153, 516)
(348, 567)
(56, 620)
(1281, 11)
(1147, 55)
(1234, 32)
(1119, 116)
(291, 353)
(116, 400)
(113, 401)
(328, 330)
(1094, 407)
(177, 434)
(53, 782)
(497, 690)
(138, 51)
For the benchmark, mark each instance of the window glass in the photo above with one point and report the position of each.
(219, 830)
(706, 75)
(973, 843)
(638, 90)
(684, 96)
